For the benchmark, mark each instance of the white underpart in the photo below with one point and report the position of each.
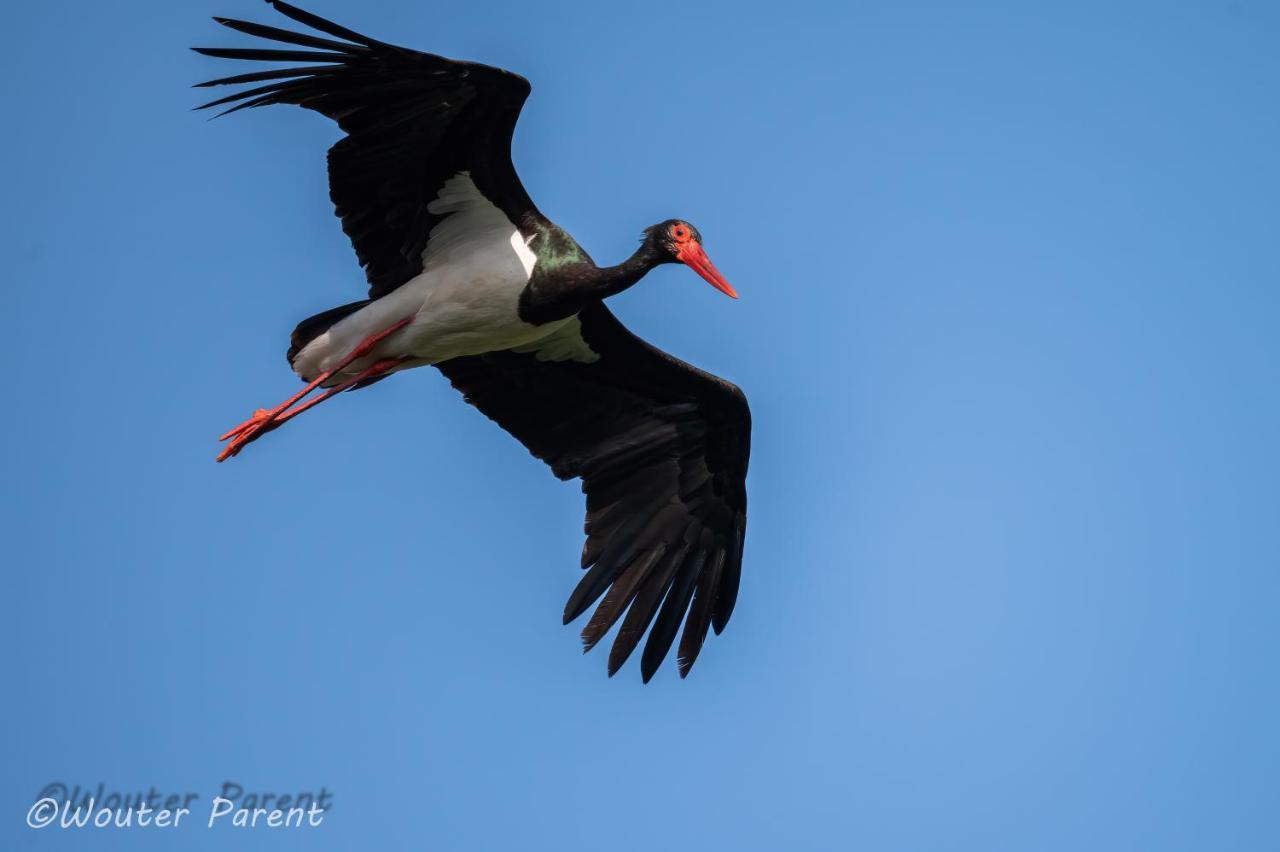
(464, 301)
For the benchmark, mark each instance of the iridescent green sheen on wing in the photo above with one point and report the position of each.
(555, 250)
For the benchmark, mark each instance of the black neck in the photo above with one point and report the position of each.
(612, 280)
(565, 279)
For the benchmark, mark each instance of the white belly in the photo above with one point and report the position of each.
(464, 302)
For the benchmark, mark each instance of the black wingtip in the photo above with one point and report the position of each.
(590, 638)
(648, 668)
(204, 107)
(324, 26)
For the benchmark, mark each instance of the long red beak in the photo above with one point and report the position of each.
(697, 260)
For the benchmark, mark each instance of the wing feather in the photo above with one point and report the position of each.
(413, 121)
(662, 450)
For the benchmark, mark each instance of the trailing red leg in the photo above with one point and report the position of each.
(264, 419)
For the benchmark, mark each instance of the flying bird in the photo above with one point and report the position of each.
(465, 274)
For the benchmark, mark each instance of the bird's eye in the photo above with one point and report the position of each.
(680, 232)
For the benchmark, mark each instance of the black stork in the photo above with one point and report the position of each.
(466, 274)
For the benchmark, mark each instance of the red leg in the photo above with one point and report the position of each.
(377, 368)
(264, 415)
(244, 438)
(264, 418)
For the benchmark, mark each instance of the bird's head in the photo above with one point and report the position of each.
(675, 240)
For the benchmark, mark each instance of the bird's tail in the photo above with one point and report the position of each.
(312, 327)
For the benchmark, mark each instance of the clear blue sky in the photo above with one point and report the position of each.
(1010, 293)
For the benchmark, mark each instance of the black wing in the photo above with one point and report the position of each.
(662, 451)
(413, 120)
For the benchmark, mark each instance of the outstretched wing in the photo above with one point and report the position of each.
(662, 451)
(413, 121)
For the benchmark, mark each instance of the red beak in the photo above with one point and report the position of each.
(696, 259)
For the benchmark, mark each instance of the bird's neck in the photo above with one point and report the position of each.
(565, 280)
(612, 280)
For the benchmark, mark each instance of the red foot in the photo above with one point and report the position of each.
(258, 416)
(260, 423)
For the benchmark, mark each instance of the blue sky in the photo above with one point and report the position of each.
(1009, 280)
